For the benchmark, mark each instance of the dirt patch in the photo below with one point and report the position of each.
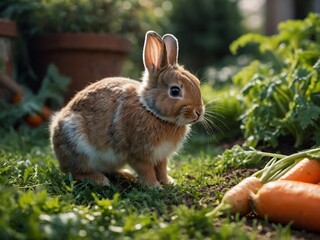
(210, 194)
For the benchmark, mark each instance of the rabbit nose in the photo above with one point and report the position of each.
(198, 113)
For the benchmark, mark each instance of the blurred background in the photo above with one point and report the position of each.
(87, 40)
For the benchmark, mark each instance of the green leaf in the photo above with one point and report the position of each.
(306, 113)
(316, 66)
(53, 86)
(301, 80)
(245, 40)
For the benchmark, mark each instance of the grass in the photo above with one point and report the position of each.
(37, 201)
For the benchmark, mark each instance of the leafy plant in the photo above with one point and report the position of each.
(51, 92)
(237, 157)
(281, 96)
(42, 16)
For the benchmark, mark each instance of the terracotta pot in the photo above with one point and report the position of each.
(8, 32)
(84, 57)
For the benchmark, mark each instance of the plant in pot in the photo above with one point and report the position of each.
(81, 37)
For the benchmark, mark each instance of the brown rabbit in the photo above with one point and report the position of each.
(118, 121)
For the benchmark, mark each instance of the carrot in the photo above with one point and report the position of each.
(17, 98)
(306, 170)
(287, 202)
(275, 169)
(34, 120)
(237, 198)
(46, 112)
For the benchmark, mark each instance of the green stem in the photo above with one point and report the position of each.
(276, 169)
(294, 60)
(281, 106)
(266, 154)
(299, 138)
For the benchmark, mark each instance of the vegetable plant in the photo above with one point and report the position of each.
(32, 107)
(281, 94)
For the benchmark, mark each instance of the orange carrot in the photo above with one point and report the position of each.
(287, 202)
(34, 120)
(307, 170)
(238, 197)
(46, 112)
(17, 98)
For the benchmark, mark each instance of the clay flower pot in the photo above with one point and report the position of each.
(84, 57)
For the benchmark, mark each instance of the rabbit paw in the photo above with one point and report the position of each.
(169, 180)
(126, 174)
(96, 178)
(106, 182)
(155, 185)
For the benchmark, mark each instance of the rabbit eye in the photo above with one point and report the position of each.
(175, 91)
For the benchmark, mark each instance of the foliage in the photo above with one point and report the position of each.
(281, 96)
(205, 28)
(51, 93)
(53, 86)
(42, 16)
(237, 157)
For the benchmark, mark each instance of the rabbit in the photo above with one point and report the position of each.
(118, 121)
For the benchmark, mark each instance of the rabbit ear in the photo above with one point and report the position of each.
(154, 52)
(172, 47)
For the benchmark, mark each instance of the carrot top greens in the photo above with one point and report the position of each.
(280, 164)
(276, 164)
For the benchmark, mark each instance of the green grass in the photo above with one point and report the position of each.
(37, 201)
